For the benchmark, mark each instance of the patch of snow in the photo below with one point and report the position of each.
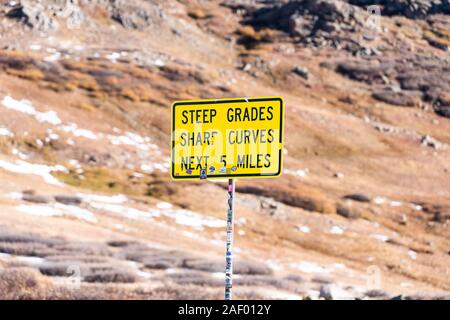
(119, 226)
(280, 295)
(41, 170)
(396, 203)
(53, 58)
(39, 210)
(241, 233)
(18, 153)
(406, 285)
(380, 237)
(35, 47)
(116, 199)
(26, 107)
(6, 132)
(159, 63)
(164, 205)
(336, 230)
(218, 275)
(23, 106)
(35, 261)
(339, 175)
(275, 265)
(74, 163)
(15, 195)
(339, 266)
(310, 267)
(340, 293)
(77, 212)
(412, 254)
(70, 142)
(304, 229)
(78, 132)
(298, 173)
(379, 200)
(39, 143)
(153, 166)
(53, 136)
(113, 57)
(132, 139)
(127, 212)
(192, 219)
(57, 210)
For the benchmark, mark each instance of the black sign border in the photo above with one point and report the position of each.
(224, 101)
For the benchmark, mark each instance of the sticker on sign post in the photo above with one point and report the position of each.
(227, 138)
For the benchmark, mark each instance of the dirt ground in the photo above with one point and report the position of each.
(87, 207)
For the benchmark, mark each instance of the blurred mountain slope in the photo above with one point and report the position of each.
(85, 94)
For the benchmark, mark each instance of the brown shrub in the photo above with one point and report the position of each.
(240, 267)
(196, 278)
(299, 196)
(199, 13)
(130, 94)
(86, 106)
(112, 276)
(26, 249)
(28, 284)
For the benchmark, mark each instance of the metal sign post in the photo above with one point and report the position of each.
(229, 254)
(227, 139)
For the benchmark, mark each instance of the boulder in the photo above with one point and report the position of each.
(403, 98)
(69, 200)
(357, 197)
(348, 212)
(301, 71)
(34, 15)
(443, 111)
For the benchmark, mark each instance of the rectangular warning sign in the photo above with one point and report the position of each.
(227, 138)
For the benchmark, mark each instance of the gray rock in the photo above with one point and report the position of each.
(301, 71)
(35, 198)
(429, 141)
(69, 200)
(376, 293)
(357, 197)
(348, 212)
(34, 15)
(325, 292)
(443, 111)
(404, 98)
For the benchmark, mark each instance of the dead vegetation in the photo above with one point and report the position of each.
(226, 50)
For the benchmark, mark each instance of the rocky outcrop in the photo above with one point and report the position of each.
(45, 16)
(413, 9)
(305, 18)
(135, 16)
(404, 79)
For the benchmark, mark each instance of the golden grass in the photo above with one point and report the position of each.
(86, 106)
(107, 180)
(29, 73)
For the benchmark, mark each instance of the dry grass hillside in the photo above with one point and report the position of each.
(362, 209)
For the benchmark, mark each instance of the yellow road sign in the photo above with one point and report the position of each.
(227, 138)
